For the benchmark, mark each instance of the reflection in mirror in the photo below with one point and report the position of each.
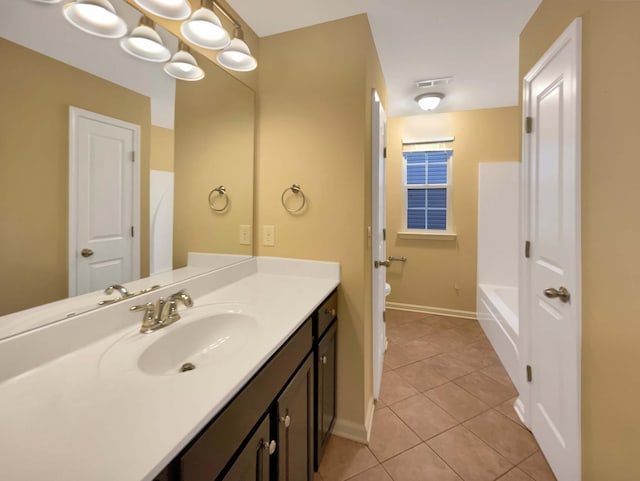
(193, 137)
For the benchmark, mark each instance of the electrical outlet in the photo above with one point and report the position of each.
(268, 235)
(245, 235)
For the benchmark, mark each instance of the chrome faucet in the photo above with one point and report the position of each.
(164, 312)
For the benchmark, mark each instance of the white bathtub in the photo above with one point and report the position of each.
(498, 316)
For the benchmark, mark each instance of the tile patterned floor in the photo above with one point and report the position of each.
(445, 412)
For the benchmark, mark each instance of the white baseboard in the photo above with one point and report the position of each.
(521, 411)
(440, 311)
(368, 420)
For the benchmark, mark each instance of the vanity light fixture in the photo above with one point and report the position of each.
(183, 65)
(430, 101)
(96, 17)
(169, 9)
(145, 43)
(236, 56)
(204, 28)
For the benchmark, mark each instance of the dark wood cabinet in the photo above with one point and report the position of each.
(276, 427)
(252, 463)
(324, 333)
(295, 426)
(326, 390)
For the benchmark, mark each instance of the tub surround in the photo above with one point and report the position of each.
(498, 250)
(67, 403)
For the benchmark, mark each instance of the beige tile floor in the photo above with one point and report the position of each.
(445, 412)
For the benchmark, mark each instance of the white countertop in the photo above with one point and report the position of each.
(87, 416)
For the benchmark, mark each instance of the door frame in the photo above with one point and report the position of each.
(377, 112)
(75, 114)
(572, 35)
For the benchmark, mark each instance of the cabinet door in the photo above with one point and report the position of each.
(326, 396)
(253, 462)
(295, 426)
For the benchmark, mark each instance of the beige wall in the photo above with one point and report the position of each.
(610, 225)
(36, 93)
(436, 267)
(162, 149)
(314, 130)
(214, 145)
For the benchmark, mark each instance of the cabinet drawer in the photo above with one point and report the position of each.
(326, 313)
(211, 451)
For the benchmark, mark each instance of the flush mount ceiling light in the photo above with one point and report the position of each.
(183, 65)
(429, 101)
(97, 17)
(169, 9)
(145, 43)
(204, 28)
(236, 56)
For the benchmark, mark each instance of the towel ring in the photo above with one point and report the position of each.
(295, 188)
(222, 192)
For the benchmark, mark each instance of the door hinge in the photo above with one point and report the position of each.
(132, 235)
(528, 125)
(133, 156)
(384, 153)
(384, 234)
(529, 375)
(527, 249)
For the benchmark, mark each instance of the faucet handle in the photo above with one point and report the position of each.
(117, 287)
(149, 322)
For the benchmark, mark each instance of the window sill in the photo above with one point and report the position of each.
(427, 235)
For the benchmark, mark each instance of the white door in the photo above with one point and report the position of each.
(552, 225)
(378, 238)
(103, 201)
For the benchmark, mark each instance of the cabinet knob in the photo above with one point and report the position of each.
(286, 420)
(269, 446)
(330, 312)
(324, 359)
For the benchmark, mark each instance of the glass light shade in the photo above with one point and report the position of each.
(169, 9)
(184, 67)
(145, 43)
(237, 57)
(429, 101)
(97, 17)
(204, 29)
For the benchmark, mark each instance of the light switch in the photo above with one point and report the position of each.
(245, 235)
(268, 235)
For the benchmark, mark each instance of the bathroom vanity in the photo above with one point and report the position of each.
(102, 401)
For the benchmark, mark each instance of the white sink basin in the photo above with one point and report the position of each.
(199, 342)
(209, 335)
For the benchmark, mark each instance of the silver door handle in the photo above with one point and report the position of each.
(86, 252)
(562, 293)
(386, 263)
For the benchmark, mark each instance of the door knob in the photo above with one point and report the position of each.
(562, 293)
(86, 252)
(286, 420)
(386, 263)
(269, 446)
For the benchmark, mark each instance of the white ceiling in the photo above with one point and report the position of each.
(475, 41)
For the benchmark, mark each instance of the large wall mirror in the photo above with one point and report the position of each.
(194, 137)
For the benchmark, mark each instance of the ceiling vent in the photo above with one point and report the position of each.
(434, 82)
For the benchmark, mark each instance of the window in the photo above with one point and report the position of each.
(427, 188)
